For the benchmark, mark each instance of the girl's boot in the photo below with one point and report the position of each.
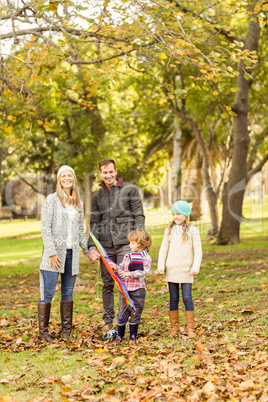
(174, 322)
(190, 323)
(120, 332)
(133, 328)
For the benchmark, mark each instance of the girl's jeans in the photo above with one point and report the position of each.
(174, 293)
(67, 281)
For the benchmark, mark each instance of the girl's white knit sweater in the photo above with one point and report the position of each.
(180, 256)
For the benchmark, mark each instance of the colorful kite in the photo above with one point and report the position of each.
(106, 260)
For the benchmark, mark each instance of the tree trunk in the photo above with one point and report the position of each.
(177, 160)
(234, 189)
(197, 201)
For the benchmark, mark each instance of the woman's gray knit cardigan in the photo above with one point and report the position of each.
(54, 233)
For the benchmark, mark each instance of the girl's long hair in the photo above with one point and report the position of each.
(74, 200)
(185, 229)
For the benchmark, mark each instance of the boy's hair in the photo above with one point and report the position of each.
(105, 162)
(141, 237)
(185, 228)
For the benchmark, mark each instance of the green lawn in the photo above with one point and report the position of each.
(227, 361)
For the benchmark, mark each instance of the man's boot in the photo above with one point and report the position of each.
(66, 312)
(133, 328)
(120, 332)
(43, 320)
(190, 323)
(174, 322)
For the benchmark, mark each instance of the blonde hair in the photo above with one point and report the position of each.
(141, 237)
(74, 200)
(185, 229)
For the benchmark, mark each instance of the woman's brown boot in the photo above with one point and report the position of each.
(190, 323)
(174, 322)
(43, 320)
(66, 312)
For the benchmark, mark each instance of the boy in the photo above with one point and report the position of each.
(133, 270)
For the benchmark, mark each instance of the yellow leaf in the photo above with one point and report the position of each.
(209, 300)
(8, 129)
(224, 116)
(100, 350)
(234, 89)
(163, 56)
(40, 122)
(215, 93)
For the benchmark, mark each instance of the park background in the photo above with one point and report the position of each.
(175, 92)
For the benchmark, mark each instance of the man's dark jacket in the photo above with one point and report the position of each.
(114, 213)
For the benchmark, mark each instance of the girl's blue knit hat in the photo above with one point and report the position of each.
(182, 207)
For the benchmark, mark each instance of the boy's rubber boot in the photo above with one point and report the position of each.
(43, 320)
(133, 328)
(190, 323)
(66, 312)
(120, 332)
(174, 322)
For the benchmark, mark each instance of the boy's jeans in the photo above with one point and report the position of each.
(174, 292)
(67, 281)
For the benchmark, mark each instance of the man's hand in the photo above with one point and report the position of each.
(193, 273)
(93, 255)
(113, 265)
(125, 274)
(161, 271)
(54, 262)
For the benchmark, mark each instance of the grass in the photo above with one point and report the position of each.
(230, 296)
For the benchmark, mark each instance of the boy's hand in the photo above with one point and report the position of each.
(112, 265)
(124, 274)
(161, 271)
(193, 273)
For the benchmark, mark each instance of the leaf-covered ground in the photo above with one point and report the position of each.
(228, 361)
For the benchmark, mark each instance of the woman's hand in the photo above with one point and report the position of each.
(54, 262)
(93, 255)
(193, 273)
(161, 271)
(125, 274)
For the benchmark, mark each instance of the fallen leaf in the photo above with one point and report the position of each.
(199, 346)
(209, 300)
(208, 388)
(246, 385)
(67, 378)
(248, 310)
(119, 359)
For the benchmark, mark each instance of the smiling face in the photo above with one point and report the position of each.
(178, 218)
(67, 180)
(108, 174)
(134, 246)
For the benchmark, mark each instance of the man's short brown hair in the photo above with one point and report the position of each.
(141, 237)
(105, 162)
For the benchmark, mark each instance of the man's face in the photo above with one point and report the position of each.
(108, 174)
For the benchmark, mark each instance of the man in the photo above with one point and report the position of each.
(116, 210)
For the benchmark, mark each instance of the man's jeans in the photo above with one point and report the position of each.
(116, 254)
(174, 292)
(67, 281)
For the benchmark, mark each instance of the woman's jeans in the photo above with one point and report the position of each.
(174, 293)
(67, 281)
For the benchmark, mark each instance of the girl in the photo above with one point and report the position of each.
(181, 253)
(62, 232)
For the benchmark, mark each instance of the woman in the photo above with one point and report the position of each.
(62, 232)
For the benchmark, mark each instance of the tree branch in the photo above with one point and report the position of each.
(257, 168)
